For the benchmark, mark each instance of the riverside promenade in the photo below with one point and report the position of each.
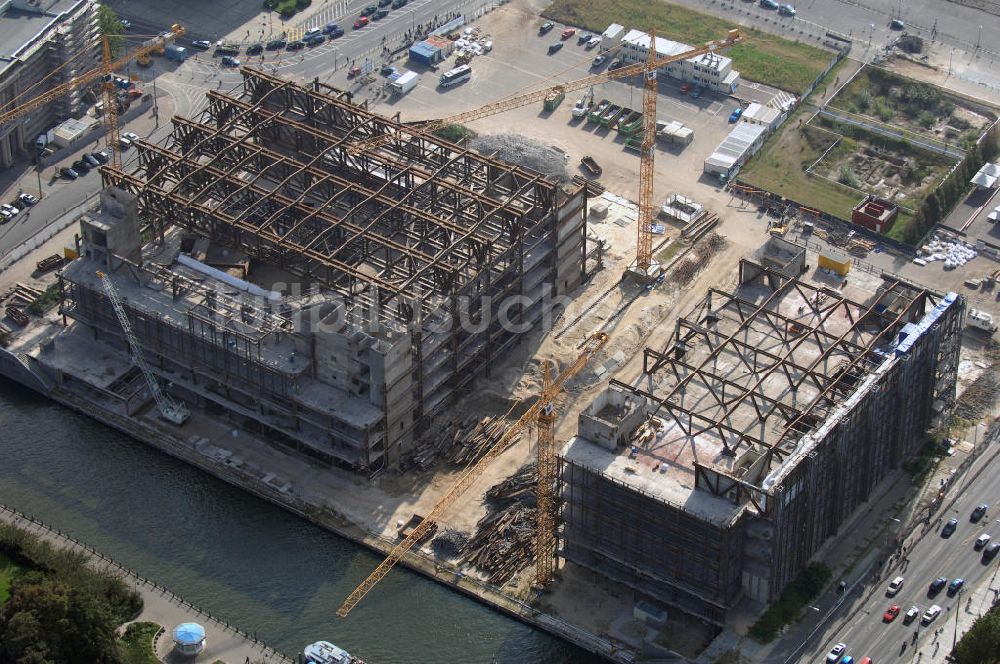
(225, 642)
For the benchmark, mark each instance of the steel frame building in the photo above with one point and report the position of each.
(754, 431)
(439, 257)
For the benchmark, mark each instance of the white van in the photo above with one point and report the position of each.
(312, 32)
(930, 614)
(894, 586)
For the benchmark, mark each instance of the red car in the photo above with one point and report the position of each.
(353, 71)
(361, 22)
(686, 88)
(568, 32)
(891, 613)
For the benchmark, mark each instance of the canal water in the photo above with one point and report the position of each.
(234, 555)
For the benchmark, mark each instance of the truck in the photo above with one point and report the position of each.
(611, 115)
(45, 139)
(582, 107)
(591, 166)
(630, 125)
(227, 48)
(981, 320)
(553, 100)
(404, 83)
(595, 115)
(175, 53)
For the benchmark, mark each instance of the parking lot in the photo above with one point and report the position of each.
(520, 61)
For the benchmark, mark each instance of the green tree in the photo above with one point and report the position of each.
(981, 644)
(47, 621)
(111, 27)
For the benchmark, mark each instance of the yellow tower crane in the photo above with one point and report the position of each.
(471, 474)
(644, 241)
(105, 74)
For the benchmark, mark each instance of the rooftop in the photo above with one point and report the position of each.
(668, 47)
(747, 376)
(20, 25)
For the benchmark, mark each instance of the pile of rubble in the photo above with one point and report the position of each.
(978, 398)
(523, 152)
(464, 442)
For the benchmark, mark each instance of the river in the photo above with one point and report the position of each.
(234, 555)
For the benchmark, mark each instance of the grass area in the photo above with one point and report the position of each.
(762, 57)
(794, 598)
(45, 301)
(781, 168)
(136, 644)
(667, 254)
(8, 572)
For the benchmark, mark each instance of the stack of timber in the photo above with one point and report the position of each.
(21, 295)
(520, 487)
(697, 229)
(473, 439)
(504, 543)
(594, 188)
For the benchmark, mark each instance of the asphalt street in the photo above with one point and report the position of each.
(931, 557)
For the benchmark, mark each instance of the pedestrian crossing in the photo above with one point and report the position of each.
(331, 13)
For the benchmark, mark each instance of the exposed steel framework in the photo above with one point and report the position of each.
(779, 356)
(402, 228)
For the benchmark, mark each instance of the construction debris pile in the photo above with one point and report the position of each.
(979, 397)
(450, 543)
(684, 272)
(504, 543)
(471, 43)
(847, 240)
(523, 152)
(464, 442)
(18, 298)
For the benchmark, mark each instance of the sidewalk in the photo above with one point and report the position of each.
(224, 641)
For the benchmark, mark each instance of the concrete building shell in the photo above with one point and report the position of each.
(418, 264)
(757, 428)
(43, 44)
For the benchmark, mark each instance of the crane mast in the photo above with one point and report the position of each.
(170, 410)
(644, 242)
(590, 348)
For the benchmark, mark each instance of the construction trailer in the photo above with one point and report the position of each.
(755, 431)
(332, 300)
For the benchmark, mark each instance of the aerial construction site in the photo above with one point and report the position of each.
(566, 404)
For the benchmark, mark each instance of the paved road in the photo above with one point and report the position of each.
(931, 557)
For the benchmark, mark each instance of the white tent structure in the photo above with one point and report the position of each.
(987, 176)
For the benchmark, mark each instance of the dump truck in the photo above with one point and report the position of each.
(591, 166)
(404, 83)
(595, 115)
(552, 101)
(175, 53)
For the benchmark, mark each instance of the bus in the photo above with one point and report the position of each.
(456, 76)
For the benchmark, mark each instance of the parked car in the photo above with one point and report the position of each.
(69, 173)
(230, 61)
(124, 143)
(548, 25)
(396, 4)
(949, 528)
(380, 14)
(894, 586)
(584, 37)
(330, 27)
(314, 40)
(836, 652)
(10, 209)
(735, 115)
(361, 22)
(255, 49)
(91, 160)
(5, 216)
(955, 586)
(769, 4)
(130, 135)
(697, 92)
(786, 10)
(592, 42)
(369, 10)
(312, 32)
(81, 167)
(981, 541)
(567, 33)
(276, 44)
(102, 156)
(617, 63)
(599, 60)
(990, 552)
(339, 32)
(555, 47)
(847, 659)
(890, 613)
(384, 3)
(387, 70)
(979, 512)
(201, 44)
(686, 88)
(911, 615)
(353, 71)
(896, 24)
(930, 614)
(296, 45)
(27, 199)
(936, 585)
